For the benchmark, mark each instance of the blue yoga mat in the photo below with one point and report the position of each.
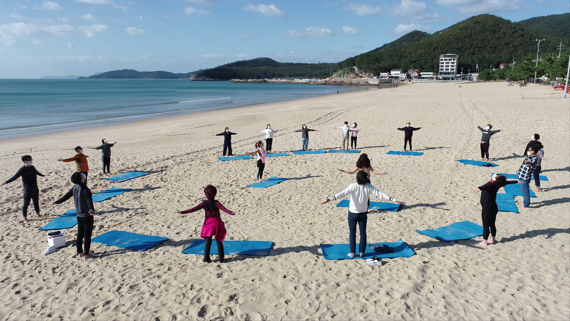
(276, 154)
(506, 203)
(225, 159)
(111, 192)
(127, 240)
(340, 251)
(126, 176)
(374, 206)
(257, 248)
(65, 221)
(268, 182)
(515, 190)
(476, 163)
(405, 153)
(337, 151)
(307, 152)
(515, 176)
(457, 231)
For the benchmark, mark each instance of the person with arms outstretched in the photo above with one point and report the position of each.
(485, 138)
(268, 137)
(29, 176)
(213, 226)
(489, 205)
(83, 199)
(305, 135)
(105, 154)
(227, 140)
(408, 133)
(261, 153)
(80, 160)
(363, 164)
(345, 134)
(358, 210)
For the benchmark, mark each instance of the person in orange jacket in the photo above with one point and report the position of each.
(80, 161)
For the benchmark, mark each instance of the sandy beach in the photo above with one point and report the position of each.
(524, 277)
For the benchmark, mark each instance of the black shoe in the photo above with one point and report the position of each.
(207, 260)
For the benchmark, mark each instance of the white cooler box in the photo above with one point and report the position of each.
(56, 239)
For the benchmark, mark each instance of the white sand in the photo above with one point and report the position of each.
(526, 276)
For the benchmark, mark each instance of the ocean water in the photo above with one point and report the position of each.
(31, 107)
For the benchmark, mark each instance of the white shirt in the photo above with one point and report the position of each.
(345, 130)
(268, 132)
(359, 196)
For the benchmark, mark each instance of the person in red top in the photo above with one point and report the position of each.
(213, 224)
(80, 161)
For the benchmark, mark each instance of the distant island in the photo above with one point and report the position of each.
(133, 74)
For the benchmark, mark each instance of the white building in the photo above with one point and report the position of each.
(395, 72)
(448, 66)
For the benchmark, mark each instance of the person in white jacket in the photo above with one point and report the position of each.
(358, 210)
(268, 137)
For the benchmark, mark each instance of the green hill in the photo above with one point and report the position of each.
(484, 40)
(557, 25)
(133, 74)
(410, 37)
(260, 68)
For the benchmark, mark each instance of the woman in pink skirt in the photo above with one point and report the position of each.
(213, 225)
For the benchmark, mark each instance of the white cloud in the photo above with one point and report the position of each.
(245, 35)
(17, 16)
(413, 10)
(202, 1)
(364, 9)
(266, 10)
(402, 28)
(10, 31)
(88, 17)
(37, 42)
(483, 6)
(134, 31)
(71, 46)
(192, 11)
(350, 30)
(309, 32)
(116, 6)
(48, 5)
(62, 19)
(93, 30)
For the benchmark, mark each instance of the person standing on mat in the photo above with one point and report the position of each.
(83, 199)
(227, 140)
(525, 173)
(80, 161)
(345, 134)
(538, 168)
(268, 137)
(305, 135)
(489, 205)
(533, 139)
(485, 138)
(29, 176)
(213, 224)
(105, 154)
(408, 133)
(261, 153)
(353, 135)
(358, 210)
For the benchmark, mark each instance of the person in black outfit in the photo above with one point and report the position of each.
(485, 140)
(105, 154)
(84, 206)
(29, 179)
(533, 140)
(489, 205)
(227, 140)
(409, 132)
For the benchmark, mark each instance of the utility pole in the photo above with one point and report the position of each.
(560, 47)
(537, 52)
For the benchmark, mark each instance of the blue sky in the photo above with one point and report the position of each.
(82, 37)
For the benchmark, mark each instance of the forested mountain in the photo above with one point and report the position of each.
(555, 25)
(133, 74)
(410, 37)
(267, 68)
(484, 40)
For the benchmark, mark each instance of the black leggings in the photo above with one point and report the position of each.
(489, 215)
(31, 195)
(268, 143)
(536, 174)
(260, 168)
(228, 148)
(406, 140)
(107, 164)
(485, 150)
(207, 250)
(353, 142)
(84, 231)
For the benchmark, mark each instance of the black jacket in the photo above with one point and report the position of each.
(227, 136)
(486, 136)
(489, 192)
(409, 131)
(29, 177)
(82, 197)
